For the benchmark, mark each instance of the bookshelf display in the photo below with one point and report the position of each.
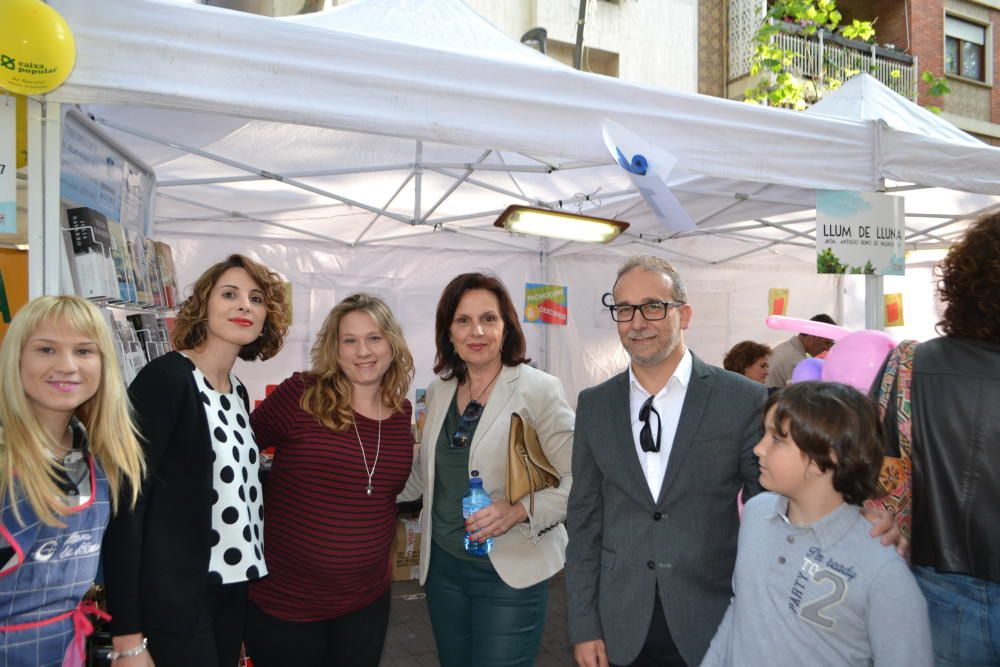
(107, 202)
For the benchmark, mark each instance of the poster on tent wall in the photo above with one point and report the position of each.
(893, 310)
(859, 232)
(98, 174)
(546, 304)
(777, 301)
(8, 165)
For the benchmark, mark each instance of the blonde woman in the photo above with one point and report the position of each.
(178, 565)
(67, 444)
(343, 451)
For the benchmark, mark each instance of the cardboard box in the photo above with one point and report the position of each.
(404, 556)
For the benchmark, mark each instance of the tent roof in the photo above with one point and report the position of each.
(445, 25)
(863, 97)
(420, 112)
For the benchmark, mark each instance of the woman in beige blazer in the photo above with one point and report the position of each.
(487, 610)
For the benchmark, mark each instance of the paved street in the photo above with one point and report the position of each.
(410, 642)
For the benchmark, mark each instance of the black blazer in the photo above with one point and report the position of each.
(156, 556)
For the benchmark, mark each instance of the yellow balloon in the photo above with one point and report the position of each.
(37, 49)
(21, 114)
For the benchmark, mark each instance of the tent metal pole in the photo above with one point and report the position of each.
(254, 170)
(387, 204)
(311, 173)
(46, 253)
(543, 260)
(875, 285)
(255, 214)
(248, 218)
(485, 186)
(55, 249)
(454, 186)
(467, 216)
(36, 200)
(418, 171)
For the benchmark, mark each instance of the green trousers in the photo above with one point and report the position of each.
(477, 618)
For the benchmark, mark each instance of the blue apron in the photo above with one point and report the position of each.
(42, 620)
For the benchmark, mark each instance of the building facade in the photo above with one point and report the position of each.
(953, 39)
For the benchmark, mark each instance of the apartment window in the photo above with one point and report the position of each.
(964, 48)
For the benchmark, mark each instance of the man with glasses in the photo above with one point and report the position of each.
(660, 453)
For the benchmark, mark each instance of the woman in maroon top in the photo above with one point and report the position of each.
(343, 452)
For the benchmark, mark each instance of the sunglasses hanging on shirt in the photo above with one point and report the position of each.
(646, 434)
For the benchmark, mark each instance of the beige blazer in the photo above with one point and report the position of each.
(529, 552)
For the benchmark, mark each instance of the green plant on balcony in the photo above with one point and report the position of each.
(783, 84)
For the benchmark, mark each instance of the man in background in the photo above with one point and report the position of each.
(786, 356)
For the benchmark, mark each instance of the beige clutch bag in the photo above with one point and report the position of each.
(528, 469)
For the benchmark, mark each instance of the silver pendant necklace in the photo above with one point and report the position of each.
(378, 448)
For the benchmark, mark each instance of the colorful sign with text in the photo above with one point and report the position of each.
(545, 304)
(859, 232)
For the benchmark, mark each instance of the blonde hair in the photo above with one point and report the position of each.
(328, 397)
(24, 443)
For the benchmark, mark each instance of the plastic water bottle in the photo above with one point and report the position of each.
(475, 500)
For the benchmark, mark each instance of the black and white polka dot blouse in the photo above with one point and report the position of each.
(237, 508)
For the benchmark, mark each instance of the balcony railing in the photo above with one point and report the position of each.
(819, 54)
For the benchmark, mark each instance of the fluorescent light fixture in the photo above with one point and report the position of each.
(559, 224)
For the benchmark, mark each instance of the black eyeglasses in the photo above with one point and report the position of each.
(646, 434)
(624, 312)
(473, 411)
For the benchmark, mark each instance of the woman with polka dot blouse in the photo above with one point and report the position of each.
(178, 565)
(343, 452)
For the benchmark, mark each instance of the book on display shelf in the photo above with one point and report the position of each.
(123, 263)
(91, 261)
(137, 251)
(133, 357)
(153, 266)
(168, 273)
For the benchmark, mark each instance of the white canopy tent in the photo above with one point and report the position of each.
(381, 126)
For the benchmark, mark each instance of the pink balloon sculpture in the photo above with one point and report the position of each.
(855, 359)
(807, 369)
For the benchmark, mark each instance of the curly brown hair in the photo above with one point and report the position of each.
(743, 355)
(838, 428)
(970, 283)
(192, 318)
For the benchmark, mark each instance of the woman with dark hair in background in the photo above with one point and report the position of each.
(343, 452)
(177, 565)
(950, 418)
(488, 610)
(750, 359)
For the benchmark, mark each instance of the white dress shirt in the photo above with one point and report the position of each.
(668, 404)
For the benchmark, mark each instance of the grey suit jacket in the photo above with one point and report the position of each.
(623, 543)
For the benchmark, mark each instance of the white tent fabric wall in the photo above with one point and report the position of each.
(728, 301)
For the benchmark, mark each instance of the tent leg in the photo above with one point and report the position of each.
(44, 240)
(874, 311)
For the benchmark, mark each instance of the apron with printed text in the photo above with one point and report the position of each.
(43, 622)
